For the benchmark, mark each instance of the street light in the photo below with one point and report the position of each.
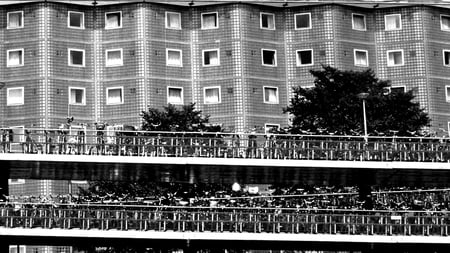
(363, 96)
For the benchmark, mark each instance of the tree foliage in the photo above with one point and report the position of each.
(181, 119)
(333, 104)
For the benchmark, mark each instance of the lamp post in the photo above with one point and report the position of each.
(363, 96)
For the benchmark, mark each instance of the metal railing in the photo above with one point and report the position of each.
(80, 141)
(252, 220)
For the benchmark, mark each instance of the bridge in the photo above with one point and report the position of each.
(224, 158)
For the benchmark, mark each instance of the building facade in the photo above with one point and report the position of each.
(237, 61)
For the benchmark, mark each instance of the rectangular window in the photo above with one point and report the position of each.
(14, 96)
(211, 95)
(75, 20)
(393, 22)
(447, 93)
(446, 55)
(359, 22)
(174, 57)
(114, 57)
(361, 58)
(271, 128)
(175, 95)
(113, 20)
(270, 95)
(445, 23)
(305, 57)
(14, 20)
(13, 249)
(397, 89)
(76, 57)
(77, 96)
(210, 20)
(267, 21)
(211, 57)
(16, 181)
(269, 57)
(14, 57)
(114, 95)
(173, 20)
(302, 21)
(395, 58)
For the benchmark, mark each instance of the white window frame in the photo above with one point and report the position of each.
(261, 23)
(113, 64)
(385, 22)
(182, 95)
(393, 51)
(396, 87)
(82, 20)
(8, 65)
(181, 57)
(447, 93)
(83, 98)
(302, 28)
(120, 20)
(268, 126)
(274, 55)
(443, 57)
(115, 88)
(212, 87)
(353, 22)
(442, 27)
(297, 57)
(217, 20)
(19, 181)
(210, 50)
(264, 95)
(7, 20)
(166, 18)
(8, 90)
(367, 57)
(69, 57)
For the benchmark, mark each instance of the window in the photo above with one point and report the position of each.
(15, 57)
(18, 134)
(114, 95)
(397, 89)
(447, 93)
(395, 58)
(113, 20)
(77, 96)
(303, 21)
(270, 95)
(361, 58)
(175, 95)
(305, 57)
(174, 57)
(76, 57)
(392, 22)
(114, 57)
(14, 20)
(211, 57)
(445, 23)
(211, 95)
(271, 128)
(16, 181)
(267, 21)
(446, 55)
(75, 20)
(15, 96)
(269, 57)
(13, 249)
(358, 22)
(209, 20)
(173, 20)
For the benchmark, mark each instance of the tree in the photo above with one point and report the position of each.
(171, 118)
(333, 104)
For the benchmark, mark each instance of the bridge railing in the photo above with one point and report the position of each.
(252, 220)
(224, 145)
